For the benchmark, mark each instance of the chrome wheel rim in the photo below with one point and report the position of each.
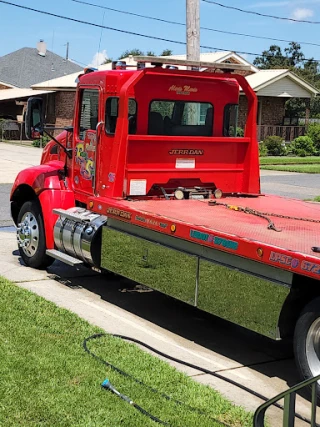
(313, 347)
(28, 234)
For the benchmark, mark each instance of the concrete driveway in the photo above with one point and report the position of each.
(119, 306)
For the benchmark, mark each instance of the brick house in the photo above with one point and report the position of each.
(23, 68)
(273, 88)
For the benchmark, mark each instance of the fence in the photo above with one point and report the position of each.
(12, 130)
(289, 396)
(287, 133)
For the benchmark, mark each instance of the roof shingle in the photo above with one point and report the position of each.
(25, 67)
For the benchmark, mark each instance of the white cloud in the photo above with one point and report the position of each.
(301, 13)
(98, 58)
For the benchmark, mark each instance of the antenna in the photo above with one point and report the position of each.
(52, 47)
(42, 48)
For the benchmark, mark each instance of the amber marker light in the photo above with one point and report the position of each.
(173, 228)
(260, 252)
(218, 193)
(91, 205)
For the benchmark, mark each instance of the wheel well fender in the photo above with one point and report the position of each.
(21, 194)
(54, 199)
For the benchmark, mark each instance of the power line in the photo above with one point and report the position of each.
(183, 24)
(260, 14)
(129, 13)
(133, 33)
(92, 24)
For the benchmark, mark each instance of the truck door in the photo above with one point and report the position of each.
(87, 134)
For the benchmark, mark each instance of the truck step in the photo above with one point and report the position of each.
(60, 256)
(84, 217)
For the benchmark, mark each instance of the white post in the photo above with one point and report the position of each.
(193, 30)
(193, 49)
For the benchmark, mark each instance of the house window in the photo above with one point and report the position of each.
(180, 118)
(230, 123)
(89, 111)
(112, 112)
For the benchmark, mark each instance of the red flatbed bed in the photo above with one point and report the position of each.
(290, 248)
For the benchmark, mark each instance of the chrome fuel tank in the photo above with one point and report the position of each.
(77, 233)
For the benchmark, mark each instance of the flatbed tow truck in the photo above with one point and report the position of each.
(152, 183)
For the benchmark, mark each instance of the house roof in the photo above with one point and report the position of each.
(8, 86)
(61, 83)
(219, 57)
(25, 67)
(17, 93)
(284, 83)
(259, 81)
(69, 82)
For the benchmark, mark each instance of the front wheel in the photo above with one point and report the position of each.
(31, 236)
(307, 341)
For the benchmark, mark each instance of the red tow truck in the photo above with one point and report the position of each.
(152, 183)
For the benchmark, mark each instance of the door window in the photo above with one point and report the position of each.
(88, 112)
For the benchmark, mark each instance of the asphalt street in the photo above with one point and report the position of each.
(287, 184)
(122, 307)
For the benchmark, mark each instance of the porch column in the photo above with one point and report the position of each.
(260, 111)
(307, 111)
(259, 119)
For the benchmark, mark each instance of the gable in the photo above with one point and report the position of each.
(286, 88)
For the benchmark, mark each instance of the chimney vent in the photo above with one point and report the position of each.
(42, 48)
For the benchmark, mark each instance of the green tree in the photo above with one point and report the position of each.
(151, 53)
(133, 52)
(166, 52)
(272, 58)
(275, 58)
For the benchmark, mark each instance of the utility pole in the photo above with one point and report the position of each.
(193, 30)
(193, 52)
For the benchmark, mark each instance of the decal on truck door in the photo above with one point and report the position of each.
(84, 155)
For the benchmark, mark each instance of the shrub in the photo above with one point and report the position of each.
(263, 151)
(41, 142)
(314, 134)
(301, 153)
(240, 132)
(303, 144)
(275, 146)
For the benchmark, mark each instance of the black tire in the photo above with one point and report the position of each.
(33, 255)
(307, 342)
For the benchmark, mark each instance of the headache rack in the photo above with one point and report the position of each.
(172, 63)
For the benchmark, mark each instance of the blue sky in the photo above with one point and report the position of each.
(22, 28)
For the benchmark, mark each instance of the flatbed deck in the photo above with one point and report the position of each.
(237, 232)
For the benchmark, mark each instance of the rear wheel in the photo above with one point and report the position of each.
(307, 341)
(31, 236)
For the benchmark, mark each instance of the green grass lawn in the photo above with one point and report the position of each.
(48, 380)
(282, 160)
(301, 168)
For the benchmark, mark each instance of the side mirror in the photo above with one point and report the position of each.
(34, 118)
